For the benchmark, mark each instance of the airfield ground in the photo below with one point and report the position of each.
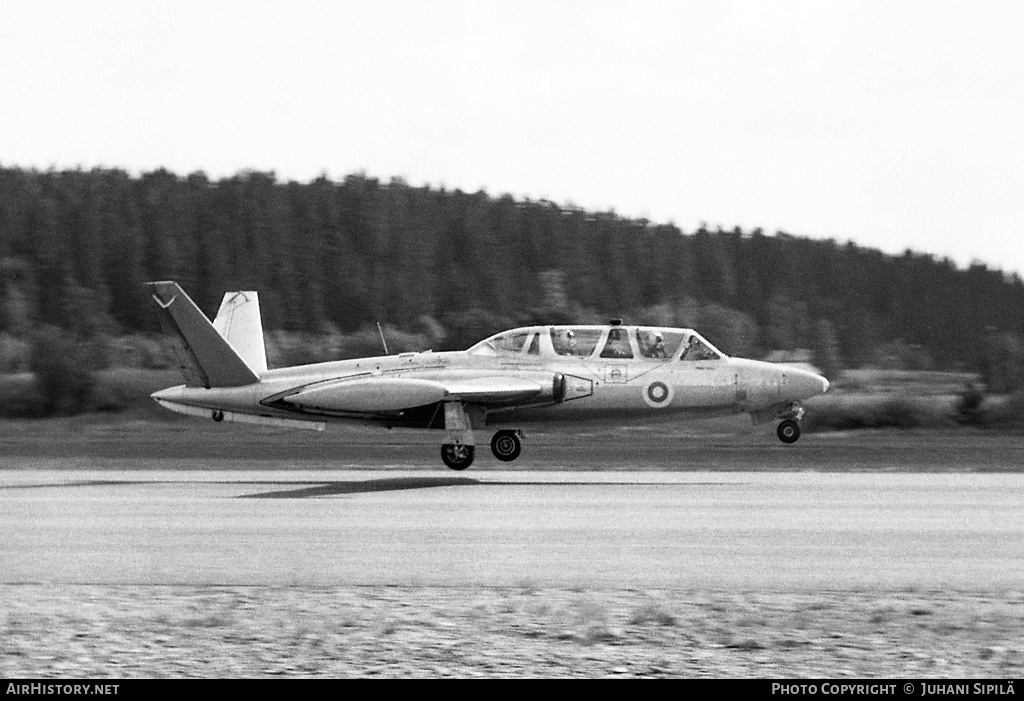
(726, 444)
(525, 628)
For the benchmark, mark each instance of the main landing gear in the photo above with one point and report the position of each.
(506, 445)
(457, 456)
(458, 447)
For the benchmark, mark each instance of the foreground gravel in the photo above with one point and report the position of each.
(131, 631)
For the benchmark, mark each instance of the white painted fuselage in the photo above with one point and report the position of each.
(536, 373)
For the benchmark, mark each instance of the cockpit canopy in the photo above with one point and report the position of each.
(615, 342)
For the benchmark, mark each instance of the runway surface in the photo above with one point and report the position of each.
(731, 530)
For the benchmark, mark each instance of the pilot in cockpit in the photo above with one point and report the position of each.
(658, 349)
(652, 344)
(654, 347)
(697, 350)
(570, 342)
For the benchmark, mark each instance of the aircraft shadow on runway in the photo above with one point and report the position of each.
(327, 489)
(363, 486)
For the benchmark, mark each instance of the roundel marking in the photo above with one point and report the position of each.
(658, 394)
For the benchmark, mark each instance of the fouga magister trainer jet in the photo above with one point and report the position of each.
(534, 373)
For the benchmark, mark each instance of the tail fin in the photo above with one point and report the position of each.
(239, 322)
(205, 357)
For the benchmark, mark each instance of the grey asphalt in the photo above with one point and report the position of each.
(732, 530)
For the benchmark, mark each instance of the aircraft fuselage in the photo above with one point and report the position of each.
(589, 389)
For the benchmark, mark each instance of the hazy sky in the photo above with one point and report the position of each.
(895, 124)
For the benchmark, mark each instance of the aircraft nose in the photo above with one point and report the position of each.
(804, 384)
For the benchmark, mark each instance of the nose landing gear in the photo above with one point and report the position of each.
(788, 431)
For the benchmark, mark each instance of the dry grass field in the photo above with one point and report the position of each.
(521, 631)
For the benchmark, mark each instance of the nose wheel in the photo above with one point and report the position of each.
(506, 445)
(788, 431)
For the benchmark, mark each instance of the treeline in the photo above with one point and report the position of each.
(333, 257)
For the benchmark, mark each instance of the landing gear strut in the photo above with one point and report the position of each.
(506, 445)
(457, 456)
(458, 447)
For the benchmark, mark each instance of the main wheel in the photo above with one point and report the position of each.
(789, 431)
(506, 445)
(457, 456)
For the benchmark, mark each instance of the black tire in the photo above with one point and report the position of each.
(506, 445)
(456, 456)
(788, 431)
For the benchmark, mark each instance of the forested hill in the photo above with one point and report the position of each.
(75, 247)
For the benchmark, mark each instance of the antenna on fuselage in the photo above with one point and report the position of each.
(381, 332)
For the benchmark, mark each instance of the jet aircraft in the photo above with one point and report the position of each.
(535, 373)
